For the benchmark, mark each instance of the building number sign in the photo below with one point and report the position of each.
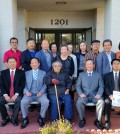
(59, 21)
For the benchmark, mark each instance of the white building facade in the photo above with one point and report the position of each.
(18, 16)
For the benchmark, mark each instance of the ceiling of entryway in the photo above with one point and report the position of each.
(62, 6)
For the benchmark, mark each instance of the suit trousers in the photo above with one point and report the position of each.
(16, 109)
(42, 100)
(68, 106)
(81, 102)
(107, 109)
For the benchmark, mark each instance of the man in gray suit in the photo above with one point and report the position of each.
(90, 89)
(105, 57)
(35, 90)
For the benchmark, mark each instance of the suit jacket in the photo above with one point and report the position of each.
(109, 84)
(43, 61)
(96, 86)
(19, 82)
(103, 65)
(25, 60)
(40, 81)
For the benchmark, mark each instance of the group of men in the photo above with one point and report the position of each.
(32, 76)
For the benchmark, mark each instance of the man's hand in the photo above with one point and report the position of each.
(7, 98)
(55, 81)
(97, 97)
(28, 94)
(39, 94)
(111, 97)
(14, 98)
(67, 91)
(82, 95)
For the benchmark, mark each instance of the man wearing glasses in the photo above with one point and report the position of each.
(13, 52)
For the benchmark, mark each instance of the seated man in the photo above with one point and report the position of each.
(12, 85)
(112, 83)
(35, 90)
(64, 85)
(90, 89)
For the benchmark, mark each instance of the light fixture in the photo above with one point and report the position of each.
(61, 3)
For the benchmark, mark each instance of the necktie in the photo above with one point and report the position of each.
(116, 82)
(89, 79)
(35, 75)
(11, 86)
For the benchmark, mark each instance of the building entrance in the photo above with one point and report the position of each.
(61, 36)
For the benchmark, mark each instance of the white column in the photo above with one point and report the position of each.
(8, 26)
(112, 22)
(100, 25)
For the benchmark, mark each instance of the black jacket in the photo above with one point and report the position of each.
(64, 82)
(67, 65)
(19, 82)
(109, 84)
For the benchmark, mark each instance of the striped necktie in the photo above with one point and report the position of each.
(35, 74)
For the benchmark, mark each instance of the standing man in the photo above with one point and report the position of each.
(45, 56)
(35, 90)
(104, 58)
(112, 83)
(13, 52)
(12, 85)
(95, 46)
(90, 89)
(28, 54)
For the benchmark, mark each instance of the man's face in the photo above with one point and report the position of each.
(64, 50)
(116, 65)
(45, 45)
(34, 64)
(57, 67)
(95, 46)
(107, 47)
(89, 65)
(12, 64)
(14, 43)
(70, 48)
(31, 45)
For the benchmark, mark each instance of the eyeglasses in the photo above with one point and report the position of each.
(57, 66)
(13, 42)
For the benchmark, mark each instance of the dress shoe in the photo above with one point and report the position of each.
(107, 125)
(14, 122)
(4, 122)
(25, 122)
(40, 121)
(98, 124)
(82, 123)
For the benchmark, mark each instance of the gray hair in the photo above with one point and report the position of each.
(56, 62)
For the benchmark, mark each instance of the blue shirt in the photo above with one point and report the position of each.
(32, 53)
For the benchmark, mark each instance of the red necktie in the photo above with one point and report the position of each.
(12, 87)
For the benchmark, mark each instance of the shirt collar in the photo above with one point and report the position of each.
(35, 70)
(12, 70)
(116, 72)
(12, 50)
(89, 72)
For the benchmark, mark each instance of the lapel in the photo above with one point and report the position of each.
(44, 57)
(29, 53)
(8, 77)
(16, 75)
(30, 78)
(112, 80)
(92, 78)
(105, 56)
(39, 77)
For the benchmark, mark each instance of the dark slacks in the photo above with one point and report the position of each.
(3, 109)
(68, 106)
(107, 109)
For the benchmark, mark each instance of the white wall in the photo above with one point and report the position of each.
(75, 19)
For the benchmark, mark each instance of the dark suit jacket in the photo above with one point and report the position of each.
(19, 82)
(109, 84)
(25, 60)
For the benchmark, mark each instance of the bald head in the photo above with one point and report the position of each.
(45, 45)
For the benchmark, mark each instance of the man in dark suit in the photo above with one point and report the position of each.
(90, 89)
(45, 57)
(12, 85)
(112, 83)
(28, 54)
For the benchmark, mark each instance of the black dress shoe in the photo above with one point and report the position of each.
(82, 123)
(98, 124)
(4, 122)
(14, 122)
(107, 125)
(25, 122)
(40, 121)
